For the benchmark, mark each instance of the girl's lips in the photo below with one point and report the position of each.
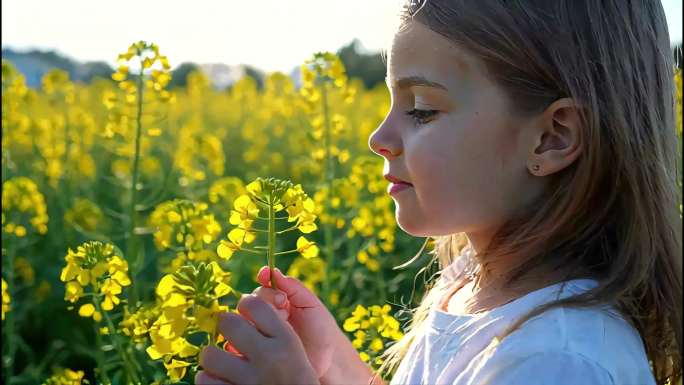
(396, 187)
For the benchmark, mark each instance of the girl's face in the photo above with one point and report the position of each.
(465, 160)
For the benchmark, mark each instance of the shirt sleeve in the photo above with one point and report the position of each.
(544, 368)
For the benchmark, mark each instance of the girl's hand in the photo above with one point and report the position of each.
(273, 354)
(307, 315)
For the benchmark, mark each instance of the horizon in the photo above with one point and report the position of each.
(288, 43)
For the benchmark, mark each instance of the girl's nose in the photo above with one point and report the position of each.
(384, 150)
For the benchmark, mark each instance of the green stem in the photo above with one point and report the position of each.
(100, 357)
(132, 249)
(286, 252)
(130, 370)
(287, 229)
(251, 251)
(329, 176)
(271, 241)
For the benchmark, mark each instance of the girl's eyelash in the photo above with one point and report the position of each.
(421, 116)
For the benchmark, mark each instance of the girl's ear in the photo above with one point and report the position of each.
(558, 141)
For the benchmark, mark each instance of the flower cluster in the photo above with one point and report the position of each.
(273, 196)
(56, 84)
(374, 215)
(183, 225)
(66, 377)
(96, 264)
(17, 139)
(189, 304)
(136, 325)
(23, 207)
(5, 299)
(323, 68)
(149, 81)
(372, 327)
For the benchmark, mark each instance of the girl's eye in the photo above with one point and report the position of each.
(421, 116)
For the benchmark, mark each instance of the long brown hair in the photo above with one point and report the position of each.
(613, 215)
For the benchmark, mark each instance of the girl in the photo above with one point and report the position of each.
(535, 142)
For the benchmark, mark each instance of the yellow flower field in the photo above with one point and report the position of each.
(133, 213)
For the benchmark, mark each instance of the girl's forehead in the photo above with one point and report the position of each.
(418, 51)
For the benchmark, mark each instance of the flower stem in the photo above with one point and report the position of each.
(132, 249)
(100, 358)
(130, 370)
(329, 176)
(287, 229)
(271, 241)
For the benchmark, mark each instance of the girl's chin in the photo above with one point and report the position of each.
(410, 224)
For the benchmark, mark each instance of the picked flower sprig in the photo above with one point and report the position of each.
(265, 198)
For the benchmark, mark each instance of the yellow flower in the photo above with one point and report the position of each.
(94, 263)
(73, 292)
(22, 200)
(5, 299)
(184, 224)
(244, 211)
(376, 345)
(110, 289)
(207, 317)
(236, 238)
(176, 369)
(65, 377)
(306, 248)
(88, 310)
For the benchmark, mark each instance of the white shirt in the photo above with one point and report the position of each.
(560, 346)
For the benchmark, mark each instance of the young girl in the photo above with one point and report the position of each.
(535, 142)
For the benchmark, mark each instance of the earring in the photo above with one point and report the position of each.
(536, 168)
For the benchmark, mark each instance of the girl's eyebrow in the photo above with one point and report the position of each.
(414, 81)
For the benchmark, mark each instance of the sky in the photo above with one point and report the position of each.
(273, 35)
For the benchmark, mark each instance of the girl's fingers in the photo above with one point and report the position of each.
(243, 335)
(263, 315)
(297, 294)
(276, 298)
(219, 364)
(202, 378)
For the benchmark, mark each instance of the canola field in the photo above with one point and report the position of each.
(132, 213)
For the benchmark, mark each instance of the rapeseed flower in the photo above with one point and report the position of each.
(373, 328)
(94, 264)
(189, 303)
(5, 299)
(263, 200)
(66, 376)
(183, 225)
(23, 207)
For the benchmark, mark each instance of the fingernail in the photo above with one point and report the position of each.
(280, 299)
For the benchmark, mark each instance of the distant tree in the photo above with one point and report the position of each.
(93, 69)
(677, 50)
(179, 75)
(256, 74)
(370, 68)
